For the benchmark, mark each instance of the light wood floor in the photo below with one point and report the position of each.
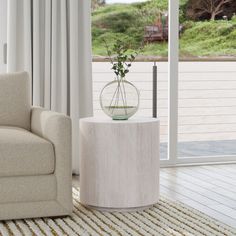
(210, 189)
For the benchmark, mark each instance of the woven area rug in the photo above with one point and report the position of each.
(165, 218)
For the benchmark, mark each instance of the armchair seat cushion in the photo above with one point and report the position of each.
(23, 153)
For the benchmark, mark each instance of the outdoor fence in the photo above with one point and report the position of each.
(207, 97)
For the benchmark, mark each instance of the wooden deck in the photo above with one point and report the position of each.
(207, 99)
(209, 189)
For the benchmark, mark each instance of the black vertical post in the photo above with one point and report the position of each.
(154, 91)
(5, 53)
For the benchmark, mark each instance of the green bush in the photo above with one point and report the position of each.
(233, 19)
(156, 49)
(209, 38)
(99, 47)
(161, 5)
(127, 21)
(97, 32)
(119, 22)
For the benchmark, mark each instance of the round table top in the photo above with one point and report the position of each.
(108, 120)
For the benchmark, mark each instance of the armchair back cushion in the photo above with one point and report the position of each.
(15, 100)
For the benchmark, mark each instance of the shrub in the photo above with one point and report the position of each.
(127, 21)
(119, 22)
(233, 18)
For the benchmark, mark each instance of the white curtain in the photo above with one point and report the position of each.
(51, 39)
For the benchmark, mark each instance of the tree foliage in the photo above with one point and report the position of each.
(206, 9)
(97, 3)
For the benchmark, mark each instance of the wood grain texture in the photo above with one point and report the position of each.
(209, 189)
(119, 162)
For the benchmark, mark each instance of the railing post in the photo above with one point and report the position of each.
(154, 90)
(5, 53)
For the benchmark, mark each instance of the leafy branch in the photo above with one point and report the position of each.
(121, 57)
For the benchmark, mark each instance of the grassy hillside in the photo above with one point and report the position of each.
(217, 38)
(127, 21)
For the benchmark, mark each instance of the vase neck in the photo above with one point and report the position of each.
(120, 78)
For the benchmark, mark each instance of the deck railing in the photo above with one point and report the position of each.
(207, 97)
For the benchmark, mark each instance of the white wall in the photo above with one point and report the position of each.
(3, 32)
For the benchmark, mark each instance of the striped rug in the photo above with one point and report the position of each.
(165, 218)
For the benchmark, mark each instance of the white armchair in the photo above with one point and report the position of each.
(35, 155)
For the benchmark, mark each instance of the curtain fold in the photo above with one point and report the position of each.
(51, 39)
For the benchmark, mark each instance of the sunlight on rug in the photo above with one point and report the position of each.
(165, 218)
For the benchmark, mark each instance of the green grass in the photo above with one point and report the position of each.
(215, 38)
(116, 21)
(127, 21)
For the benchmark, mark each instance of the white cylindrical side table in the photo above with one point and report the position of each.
(119, 163)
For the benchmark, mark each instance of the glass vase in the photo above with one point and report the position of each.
(119, 99)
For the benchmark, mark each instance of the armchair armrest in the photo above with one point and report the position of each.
(56, 128)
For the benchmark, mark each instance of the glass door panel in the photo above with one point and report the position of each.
(145, 24)
(207, 85)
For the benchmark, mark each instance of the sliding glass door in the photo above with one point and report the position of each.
(144, 24)
(196, 85)
(207, 111)
(202, 88)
